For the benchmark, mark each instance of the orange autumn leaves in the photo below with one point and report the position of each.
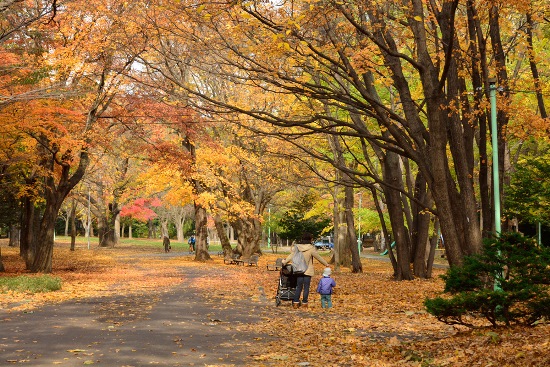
(375, 320)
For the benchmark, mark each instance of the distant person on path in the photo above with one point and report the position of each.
(303, 283)
(324, 288)
(191, 243)
(166, 244)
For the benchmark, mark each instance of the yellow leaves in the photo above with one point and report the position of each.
(285, 46)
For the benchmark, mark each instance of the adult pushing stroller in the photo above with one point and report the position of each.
(287, 285)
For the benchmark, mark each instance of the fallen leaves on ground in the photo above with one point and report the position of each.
(375, 321)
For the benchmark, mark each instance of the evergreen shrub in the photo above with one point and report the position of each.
(508, 283)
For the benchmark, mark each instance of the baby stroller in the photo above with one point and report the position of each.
(287, 285)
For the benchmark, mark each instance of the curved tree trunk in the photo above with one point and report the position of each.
(222, 235)
(392, 175)
(39, 258)
(201, 250)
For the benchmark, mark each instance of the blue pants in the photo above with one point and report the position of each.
(326, 301)
(302, 283)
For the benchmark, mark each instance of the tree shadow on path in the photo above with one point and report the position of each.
(174, 327)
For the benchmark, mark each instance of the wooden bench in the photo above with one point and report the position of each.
(234, 259)
(278, 265)
(253, 260)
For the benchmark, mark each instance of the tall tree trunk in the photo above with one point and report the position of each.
(164, 228)
(480, 72)
(336, 220)
(44, 251)
(28, 224)
(352, 243)
(67, 221)
(533, 66)
(433, 245)
(344, 255)
(15, 235)
(421, 227)
(393, 176)
(222, 235)
(461, 139)
(117, 228)
(110, 236)
(385, 232)
(179, 222)
(40, 229)
(102, 230)
(2, 269)
(72, 218)
(201, 251)
(150, 229)
(249, 236)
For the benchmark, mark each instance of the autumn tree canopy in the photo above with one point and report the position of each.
(392, 96)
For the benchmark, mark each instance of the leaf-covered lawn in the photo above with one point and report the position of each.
(375, 321)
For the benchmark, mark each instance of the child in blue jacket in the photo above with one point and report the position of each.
(324, 288)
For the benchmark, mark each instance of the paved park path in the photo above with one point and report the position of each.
(178, 327)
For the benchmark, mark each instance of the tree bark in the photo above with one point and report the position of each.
(15, 235)
(534, 68)
(150, 229)
(222, 235)
(41, 251)
(249, 236)
(72, 218)
(478, 62)
(201, 251)
(392, 175)
(352, 243)
(67, 222)
(338, 239)
(420, 228)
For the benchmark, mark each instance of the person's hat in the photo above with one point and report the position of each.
(327, 272)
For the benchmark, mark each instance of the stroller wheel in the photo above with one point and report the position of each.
(277, 301)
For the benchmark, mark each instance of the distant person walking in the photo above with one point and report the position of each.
(166, 244)
(303, 283)
(191, 243)
(324, 288)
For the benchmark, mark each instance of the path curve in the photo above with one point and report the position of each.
(175, 327)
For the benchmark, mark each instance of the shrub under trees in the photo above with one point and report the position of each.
(508, 283)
